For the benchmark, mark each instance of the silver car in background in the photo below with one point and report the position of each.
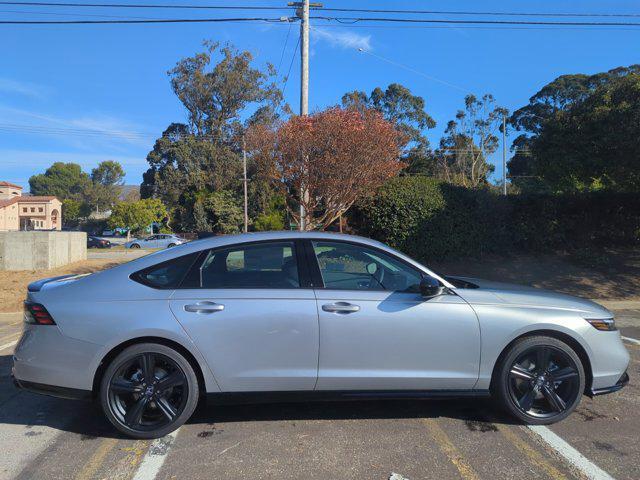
(160, 240)
(306, 314)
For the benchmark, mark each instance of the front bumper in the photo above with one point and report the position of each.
(620, 384)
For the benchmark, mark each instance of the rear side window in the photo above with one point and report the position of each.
(266, 265)
(166, 275)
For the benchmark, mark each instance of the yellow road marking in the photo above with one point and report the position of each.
(534, 456)
(450, 450)
(97, 459)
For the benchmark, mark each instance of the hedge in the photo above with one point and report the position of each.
(429, 219)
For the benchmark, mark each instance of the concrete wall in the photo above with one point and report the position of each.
(41, 250)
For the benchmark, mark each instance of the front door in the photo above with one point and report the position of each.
(251, 318)
(378, 333)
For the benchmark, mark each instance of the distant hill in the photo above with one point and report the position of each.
(129, 192)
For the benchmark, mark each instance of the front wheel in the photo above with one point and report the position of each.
(148, 391)
(540, 380)
(135, 245)
(171, 245)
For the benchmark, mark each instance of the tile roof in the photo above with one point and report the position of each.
(9, 201)
(9, 184)
(35, 198)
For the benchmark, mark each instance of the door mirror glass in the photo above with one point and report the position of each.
(430, 287)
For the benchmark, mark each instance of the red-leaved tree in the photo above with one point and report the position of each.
(326, 161)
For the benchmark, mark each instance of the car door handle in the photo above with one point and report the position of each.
(340, 307)
(204, 307)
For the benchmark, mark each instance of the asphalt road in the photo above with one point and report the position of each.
(42, 437)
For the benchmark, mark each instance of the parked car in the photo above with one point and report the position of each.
(160, 240)
(319, 314)
(96, 242)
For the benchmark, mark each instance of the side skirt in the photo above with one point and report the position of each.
(230, 398)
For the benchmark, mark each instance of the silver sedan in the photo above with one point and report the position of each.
(161, 240)
(311, 315)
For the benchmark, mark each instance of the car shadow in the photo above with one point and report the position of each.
(86, 419)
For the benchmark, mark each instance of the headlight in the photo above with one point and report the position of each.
(604, 324)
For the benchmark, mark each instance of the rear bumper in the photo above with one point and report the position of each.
(53, 391)
(620, 384)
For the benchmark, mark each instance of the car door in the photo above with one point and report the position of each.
(252, 313)
(378, 333)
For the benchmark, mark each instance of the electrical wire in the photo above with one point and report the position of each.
(150, 21)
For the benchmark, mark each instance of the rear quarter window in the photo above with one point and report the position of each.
(166, 275)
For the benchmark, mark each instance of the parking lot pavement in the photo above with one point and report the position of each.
(43, 437)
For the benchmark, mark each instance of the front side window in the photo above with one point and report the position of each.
(267, 265)
(345, 266)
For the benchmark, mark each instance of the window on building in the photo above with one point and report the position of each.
(33, 209)
(40, 209)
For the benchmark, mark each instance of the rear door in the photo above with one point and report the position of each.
(251, 312)
(378, 333)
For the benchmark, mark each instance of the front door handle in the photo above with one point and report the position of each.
(340, 307)
(204, 307)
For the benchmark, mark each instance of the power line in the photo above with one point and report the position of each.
(350, 20)
(351, 10)
(149, 21)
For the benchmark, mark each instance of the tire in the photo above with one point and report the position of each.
(134, 245)
(535, 395)
(171, 245)
(142, 409)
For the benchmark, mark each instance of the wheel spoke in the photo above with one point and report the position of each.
(519, 372)
(564, 374)
(527, 399)
(174, 379)
(553, 398)
(169, 411)
(134, 414)
(542, 358)
(148, 363)
(122, 385)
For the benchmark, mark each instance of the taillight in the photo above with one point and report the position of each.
(36, 314)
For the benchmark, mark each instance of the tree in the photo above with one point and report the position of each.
(62, 180)
(407, 112)
(137, 216)
(469, 139)
(218, 87)
(106, 180)
(71, 211)
(225, 212)
(329, 159)
(578, 134)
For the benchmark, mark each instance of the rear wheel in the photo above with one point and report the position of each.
(540, 380)
(171, 245)
(149, 390)
(135, 245)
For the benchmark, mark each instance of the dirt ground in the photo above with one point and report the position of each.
(14, 285)
(613, 274)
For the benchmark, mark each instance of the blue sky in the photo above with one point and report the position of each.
(63, 80)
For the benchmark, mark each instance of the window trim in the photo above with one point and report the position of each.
(317, 274)
(302, 265)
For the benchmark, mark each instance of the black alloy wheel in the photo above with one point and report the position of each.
(541, 380)
(149, 392)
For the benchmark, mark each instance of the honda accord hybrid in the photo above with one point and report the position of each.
(261, 316)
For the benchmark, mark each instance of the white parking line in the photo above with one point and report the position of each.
(155, 457)
(632, 340)
(7, 345)
(574, 457)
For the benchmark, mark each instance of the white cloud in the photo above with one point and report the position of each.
(27, 89)
(343, 39)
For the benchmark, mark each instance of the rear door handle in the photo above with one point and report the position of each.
(340, 307)
(204, 307)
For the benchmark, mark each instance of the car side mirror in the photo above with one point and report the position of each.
(430, 287)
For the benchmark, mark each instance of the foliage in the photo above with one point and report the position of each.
(428, 219)
(407, 112)
(218, 87)
(71, 211)
(223, 211)
(469, 139)
(62, 180)
(137, 216)
(579, 134)
(328, 160)
(273, 216)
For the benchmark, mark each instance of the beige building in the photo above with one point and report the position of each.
(18, 212)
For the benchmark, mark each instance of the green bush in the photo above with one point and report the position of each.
(428, 219)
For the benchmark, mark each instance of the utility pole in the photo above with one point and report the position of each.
(504, 154)
(246, 199)
(303, 14)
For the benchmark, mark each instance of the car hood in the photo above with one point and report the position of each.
(485, 291)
